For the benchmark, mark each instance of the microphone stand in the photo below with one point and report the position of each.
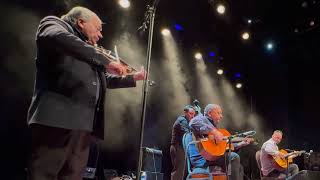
(149, 18)
(287, 173)
(229, 159)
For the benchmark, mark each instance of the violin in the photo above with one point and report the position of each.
(129, 70)
(115, 58)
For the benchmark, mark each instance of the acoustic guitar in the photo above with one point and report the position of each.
(211, 149)
(283, 163)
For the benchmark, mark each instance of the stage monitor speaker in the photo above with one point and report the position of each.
(152, 160)
(306, 175)
(146, 175)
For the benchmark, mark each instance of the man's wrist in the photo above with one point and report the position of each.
(135, 77)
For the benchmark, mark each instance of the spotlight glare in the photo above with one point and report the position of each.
(304, 4)
(198, 56)
(165, 32)
(178, 27)
(270, 46)
(238, 85)
(124, 3)
(221, 9)
(249, 21)
(311, 23)
(220, 71)
(245, 35)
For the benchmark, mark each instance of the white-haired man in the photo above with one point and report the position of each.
(205, 125)
(68, 102)
(268, 166)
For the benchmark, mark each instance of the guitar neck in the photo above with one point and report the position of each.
(294, 153)
(238, 139)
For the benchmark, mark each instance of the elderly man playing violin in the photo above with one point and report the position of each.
(67, 108)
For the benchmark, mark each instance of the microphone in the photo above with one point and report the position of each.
(196, 102)
(244, 134)
(309, 153)
(151, 83)
(143, 27)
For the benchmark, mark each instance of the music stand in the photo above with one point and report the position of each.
(287, 173)
(228, 166)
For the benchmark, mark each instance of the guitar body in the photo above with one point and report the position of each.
(212, 150)
(282, 162)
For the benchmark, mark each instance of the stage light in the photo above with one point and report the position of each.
(198, 56)
(238, 85)
(249, 21)
(311, 23)
(220, 71)
(245, 35)
(269, 46)
(165, 32)
(221, 9)
(178, 27)
(124, 3)
(237, 75)
(212, 54)
(304, 4)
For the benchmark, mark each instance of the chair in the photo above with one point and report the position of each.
(259, 166)
(198, 173)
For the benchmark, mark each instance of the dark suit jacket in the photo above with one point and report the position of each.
(70, 79)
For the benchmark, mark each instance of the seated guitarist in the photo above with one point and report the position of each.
(206, 125)
(270, 149)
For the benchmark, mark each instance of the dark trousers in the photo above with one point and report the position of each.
(236, 168)
(178, 162)
(281, 174)
(58, 154)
